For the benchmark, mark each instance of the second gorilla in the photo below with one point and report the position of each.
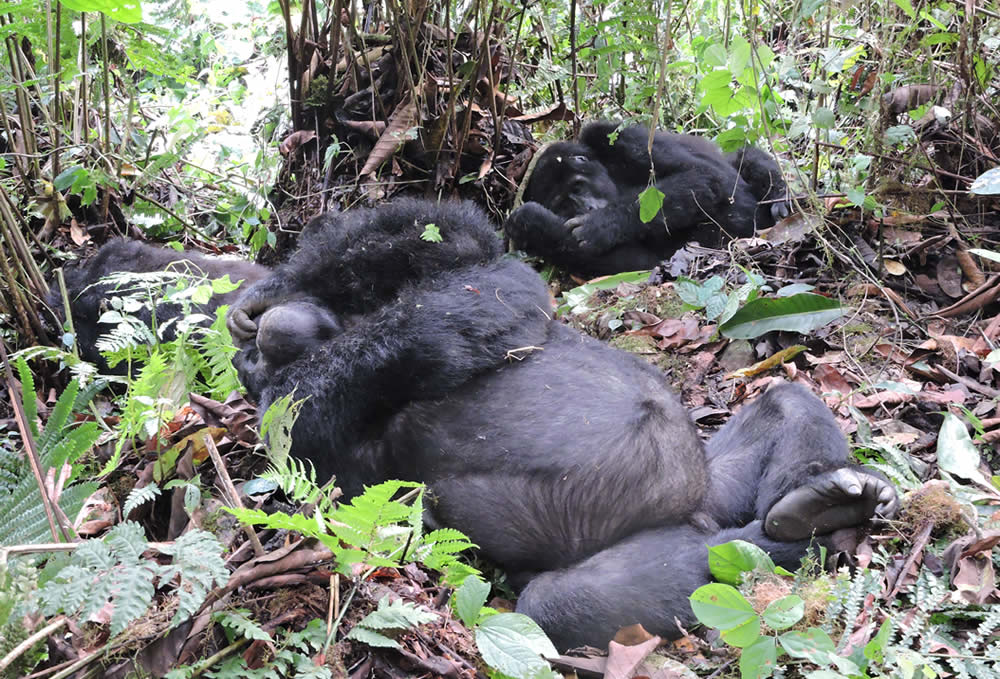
(570, 464)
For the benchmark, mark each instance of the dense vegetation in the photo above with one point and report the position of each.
(224, 126)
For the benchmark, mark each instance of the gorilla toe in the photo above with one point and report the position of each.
(837, 499)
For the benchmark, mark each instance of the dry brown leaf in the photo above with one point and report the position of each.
(295, 140)
(894, 268)
(769, 362)
(402, 119)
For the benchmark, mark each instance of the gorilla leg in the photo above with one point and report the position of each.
(644, 579)
(783, 459)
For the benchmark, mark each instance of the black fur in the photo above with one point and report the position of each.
(87, 296)
(571, 464)
(581, 210)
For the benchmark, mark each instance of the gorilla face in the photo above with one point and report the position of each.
(580, 183)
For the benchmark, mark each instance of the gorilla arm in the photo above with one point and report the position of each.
(429, 341)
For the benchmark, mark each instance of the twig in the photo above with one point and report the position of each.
(230, 490)
(31, 641)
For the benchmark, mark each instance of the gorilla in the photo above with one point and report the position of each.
(581, 211)
(87, 294)
(571, 464)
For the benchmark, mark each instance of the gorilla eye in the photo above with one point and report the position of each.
(581, 159)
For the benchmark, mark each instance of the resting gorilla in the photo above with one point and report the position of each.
(569, 463)
(581, 209)
(87, 295)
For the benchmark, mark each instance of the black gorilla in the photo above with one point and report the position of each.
(87, 294)
(581, 210)
(569, 463)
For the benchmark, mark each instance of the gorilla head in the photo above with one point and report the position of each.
(576, 183)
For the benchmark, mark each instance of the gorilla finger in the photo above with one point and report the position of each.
(240, 325)
(781, 210)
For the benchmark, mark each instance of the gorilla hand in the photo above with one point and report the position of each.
(592, 233)
(241, 319)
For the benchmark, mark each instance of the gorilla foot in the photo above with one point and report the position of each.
(837, 499)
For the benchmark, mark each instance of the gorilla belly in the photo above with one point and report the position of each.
(531, 460)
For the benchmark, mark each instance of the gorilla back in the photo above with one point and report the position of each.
(87, 294)
(581, 209)
(571, 464)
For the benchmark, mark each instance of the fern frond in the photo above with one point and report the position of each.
(140, 496)
(28, 395)
(58, 418)
(22, 518)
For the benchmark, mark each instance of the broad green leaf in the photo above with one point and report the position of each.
(575, 300)
(743, 635)
(823, 118)
(721, 606)
(759, 660)
(801, 313)
(470, 598)
(126, 11)
(650, 203)
(514, 644)
(730, 560)
(907, 7)
(813, 645)
(784, 612)
(956, 454)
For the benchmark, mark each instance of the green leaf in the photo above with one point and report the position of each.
(956, 454)
(126, 11)
(729, 561)
(907, 7)
(875, 649)
(432, 234)
(744, 634)
(372, 638)
(801, 313)
(813, 645)
(784, 612)
(759, 660)
(823, 118)
(470, 598)
(650, 203)
(575, 300)
(721, 606)
(513, 644)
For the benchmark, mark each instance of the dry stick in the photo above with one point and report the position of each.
(976, 299)
(29, 442)
(230, 489)
(572, 57)
(968, 382)
(498, 119)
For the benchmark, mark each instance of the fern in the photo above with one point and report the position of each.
(198, 563)
(22, 517)
(113, 572)
(239, 621)
(216, 345)
(137, 497)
